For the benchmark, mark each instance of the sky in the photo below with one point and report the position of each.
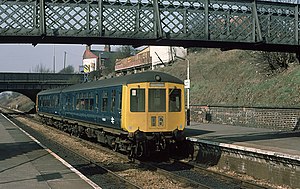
(25, 57)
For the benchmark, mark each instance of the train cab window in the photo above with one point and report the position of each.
(137, 100)
(174, 100)
(157, 100)
(104, 104)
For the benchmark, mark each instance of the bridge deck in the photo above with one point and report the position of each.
(244, 24)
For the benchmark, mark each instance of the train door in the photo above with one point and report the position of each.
(156, 108)
(115, 107)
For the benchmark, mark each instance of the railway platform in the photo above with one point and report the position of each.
(263, 154)
(278, 143)
(25, 163)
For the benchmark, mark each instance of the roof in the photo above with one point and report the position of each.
(51, 91)
(102, 54)
(117, 81)
(89, 54)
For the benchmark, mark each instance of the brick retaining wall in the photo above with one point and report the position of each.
(269, 118)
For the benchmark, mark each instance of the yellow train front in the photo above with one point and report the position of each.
(138, 113)
(154, 112)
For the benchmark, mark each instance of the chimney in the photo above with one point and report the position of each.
(88, 47)
(107, 48)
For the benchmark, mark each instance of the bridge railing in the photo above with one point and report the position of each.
(246, 21)
(38, 78)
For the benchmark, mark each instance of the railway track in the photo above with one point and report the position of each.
(138, 175)
(179, 174)
(209, 178)
(96, 172)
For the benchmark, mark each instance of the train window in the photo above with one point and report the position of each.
(174, 100)
(91, 102)
(157, 100)
(68, 103)
(81, 101)
(137, 100)
(113, 101)
(97, 102)
(104, 104)
(51, 101)
(86, 104)
(77, 101)
(48, 101)
(40, 101)
(73, 103)
(56, 101)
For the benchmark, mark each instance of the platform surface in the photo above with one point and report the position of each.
(25, 164)
(284, 143)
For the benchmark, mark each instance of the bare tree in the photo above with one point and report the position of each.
(68, 70)
(274, 62)
(40, 68)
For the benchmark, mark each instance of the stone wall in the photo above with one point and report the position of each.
(259, 164)
(269, 118)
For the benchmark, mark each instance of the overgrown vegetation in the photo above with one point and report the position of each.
(274, 62)
(16, 101)
(68, 70)
(236, 78)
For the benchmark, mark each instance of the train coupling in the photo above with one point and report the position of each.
(178, 135)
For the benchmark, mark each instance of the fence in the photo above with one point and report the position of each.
(263, 117)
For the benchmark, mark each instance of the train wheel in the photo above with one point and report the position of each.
(115, 148)
(139, 149)
(131, 152)
(163, 144)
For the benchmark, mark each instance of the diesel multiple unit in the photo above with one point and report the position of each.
(136, 113)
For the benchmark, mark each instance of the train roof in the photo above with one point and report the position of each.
(51, 91)
(150, 76)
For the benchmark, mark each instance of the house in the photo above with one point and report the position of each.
(139, 62)
(94, 60)
(149, 58)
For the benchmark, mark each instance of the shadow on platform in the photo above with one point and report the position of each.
(254, 137)
(9, 150)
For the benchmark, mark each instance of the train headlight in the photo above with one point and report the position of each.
(157, 78)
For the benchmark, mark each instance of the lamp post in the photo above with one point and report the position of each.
(187, 84)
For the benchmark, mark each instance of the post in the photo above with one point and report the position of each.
(42, 18)
(65, 59)
(188, 111)
(53, 58)
(187, 86)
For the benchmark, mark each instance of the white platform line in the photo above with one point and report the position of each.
(91, 183)
(247, 149)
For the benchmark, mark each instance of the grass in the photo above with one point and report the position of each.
(233, 78)
(230, 78)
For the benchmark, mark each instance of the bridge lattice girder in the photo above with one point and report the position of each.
(243, 24)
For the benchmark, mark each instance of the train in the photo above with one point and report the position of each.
(139, 113)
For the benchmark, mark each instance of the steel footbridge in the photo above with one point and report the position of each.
(230, 24)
